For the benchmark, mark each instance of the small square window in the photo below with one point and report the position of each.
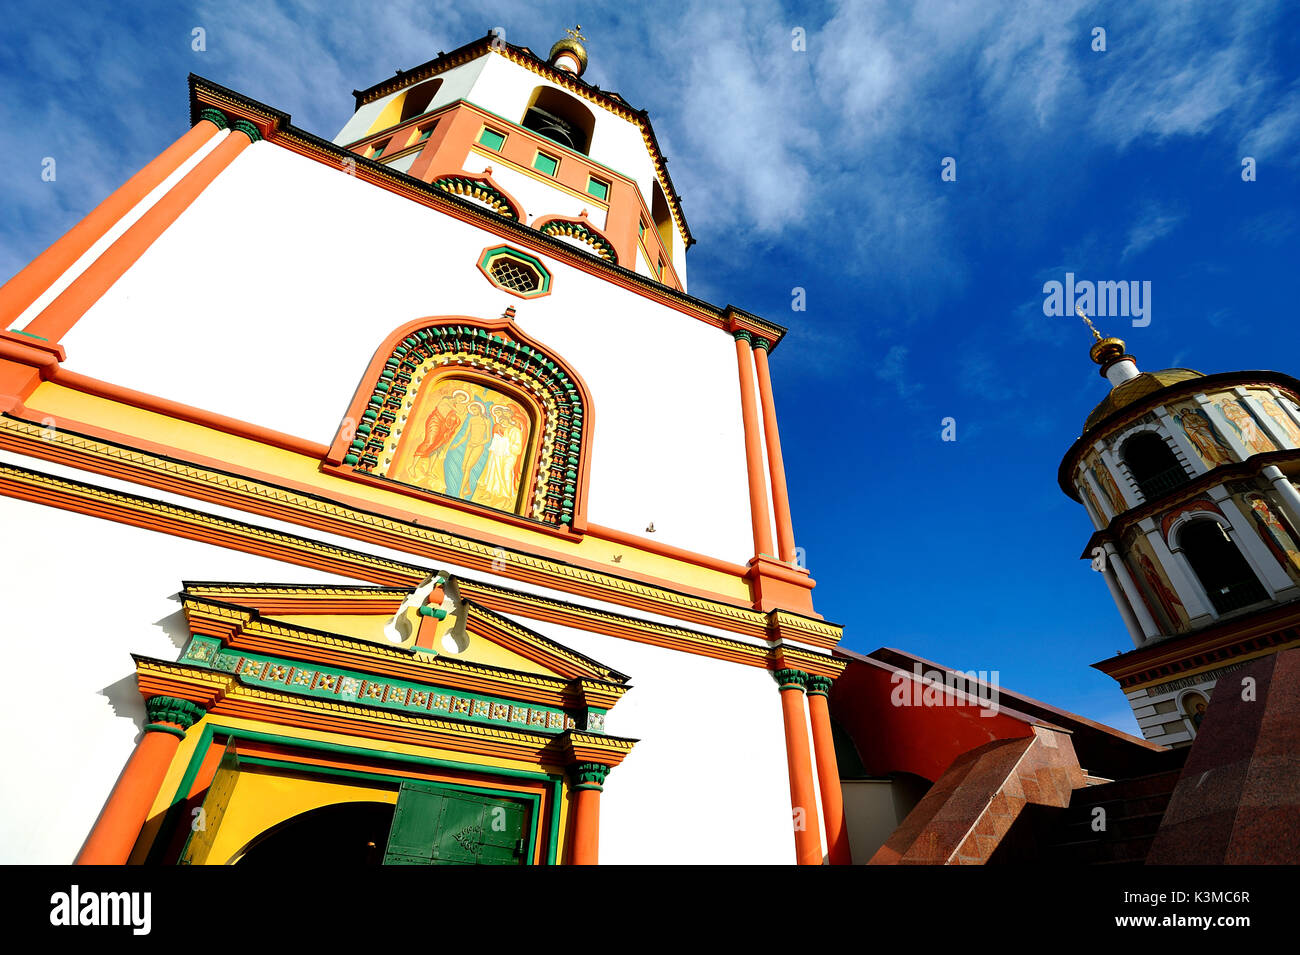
(491, 139)
(546, 164)
(377, 149)
(425, 134)
(598, 188)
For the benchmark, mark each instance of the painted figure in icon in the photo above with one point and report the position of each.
(1200, 431)
(1249, 432)
(442, 423)
(1163, 593)
(467, 440)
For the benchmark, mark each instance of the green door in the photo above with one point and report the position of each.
(436, 826)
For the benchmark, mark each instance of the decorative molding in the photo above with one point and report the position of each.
(323, 515)
(503, 356)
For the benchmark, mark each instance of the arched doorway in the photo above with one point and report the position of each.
(1152, 464)
(344, 834)
(1223, 572)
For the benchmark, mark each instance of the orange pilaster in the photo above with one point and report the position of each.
(803, 800)
(127, 809)
(775, 463)
(25, 287)
(124, 814)
(828, 772)
(588, 779)
(61, 314)
(753, 449)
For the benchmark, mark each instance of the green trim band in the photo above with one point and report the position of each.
(164, 728)
(596, 786)
(168, 709)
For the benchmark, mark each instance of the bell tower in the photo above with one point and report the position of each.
(533, 141)
(1189, 481)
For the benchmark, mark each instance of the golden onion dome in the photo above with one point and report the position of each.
(1135, 389)
(573, 45)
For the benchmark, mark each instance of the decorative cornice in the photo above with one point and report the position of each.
(169, 709)
(320, 514)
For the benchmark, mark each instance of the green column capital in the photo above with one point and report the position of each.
(247, 128)
(790, 679)
(762, 343)
(589, 775)
(166, 710)
(216, 117)
(743, 336)
(818, 685)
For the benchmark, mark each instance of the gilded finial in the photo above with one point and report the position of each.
(1104, 351)
(1078, 310)
(569, 54)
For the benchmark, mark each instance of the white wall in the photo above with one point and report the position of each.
(267, 298)
(708, 780)
(79, 595)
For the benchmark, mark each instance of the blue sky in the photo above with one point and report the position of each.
(820, 169)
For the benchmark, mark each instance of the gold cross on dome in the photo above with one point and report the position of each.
(1078, 310)
(576, 33)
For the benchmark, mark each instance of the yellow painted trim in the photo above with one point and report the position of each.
(245, 453)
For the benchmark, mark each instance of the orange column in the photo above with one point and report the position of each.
(753, 448)
(61, 314)
(828, 771)
(588, 784)
(803, 801)
(25, 287)
(775, 463)
(127, 808)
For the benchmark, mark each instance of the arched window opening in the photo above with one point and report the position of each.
(1152, 464)
(663, 220)
(560, 118)
(1223, 572)
(418, 98)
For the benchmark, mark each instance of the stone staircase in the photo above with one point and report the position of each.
(1131, 813)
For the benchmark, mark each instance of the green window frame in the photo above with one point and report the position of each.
(490, 138)
(547, 164)
(425, 134)
(598, 188)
